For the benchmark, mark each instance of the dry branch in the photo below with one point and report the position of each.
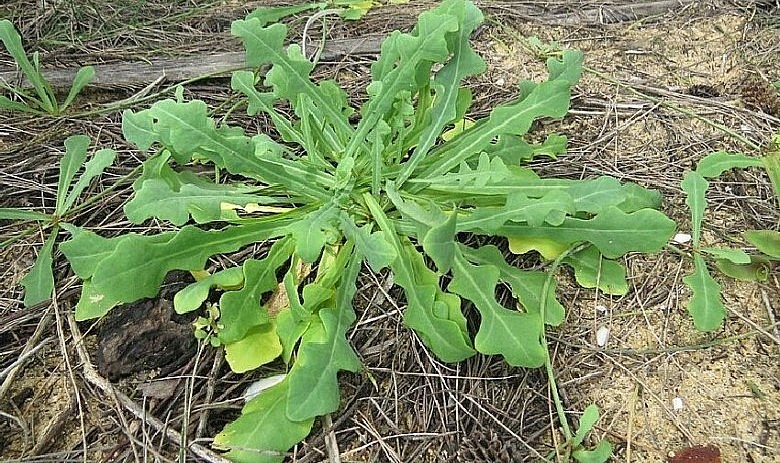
(616, 14)
(182, 68)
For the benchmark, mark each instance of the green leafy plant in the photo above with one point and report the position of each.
(328, 196)
(39, 282)
(603, 449)
(705, 305)
(44, 100)
(348, 9)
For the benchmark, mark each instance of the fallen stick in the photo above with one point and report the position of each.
(182, 68)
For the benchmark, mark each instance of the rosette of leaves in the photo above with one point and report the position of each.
(334, 196)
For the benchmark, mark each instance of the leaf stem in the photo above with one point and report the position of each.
(548, 361)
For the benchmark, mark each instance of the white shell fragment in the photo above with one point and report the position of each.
(602, 336)
(681, 238)
(260, 385)
(677, 404)
(500, 82)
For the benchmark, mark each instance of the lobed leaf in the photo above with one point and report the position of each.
(402, 58)
(433, 314)
(244, 82)
(289, 73)
(551, 208)
(204, 201)
(549, 99)
(613, 231)
(464, 62)
(514, 335)
(132, 267)
(527, 285)
(439, 243)
(309, 232)
(241, 310)
(594, 196)
(325, 350)
(377, 250)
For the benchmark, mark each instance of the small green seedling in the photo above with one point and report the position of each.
(603, 449)
(338, 196)
(39, 282)
(44, 99)
(705, 306)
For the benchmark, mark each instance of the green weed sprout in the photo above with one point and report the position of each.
(39, 281)
(705, 306)
(44, 99)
